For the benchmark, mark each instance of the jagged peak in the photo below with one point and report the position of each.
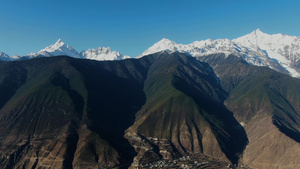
(103, 48)
(103, 53)
(257, 31)
(100, 50)
(59, 43)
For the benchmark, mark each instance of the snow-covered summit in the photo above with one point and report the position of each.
(59, 48)
(103, 53)
(4, 57)
(164, 44)
(279, 52)
(284, 49)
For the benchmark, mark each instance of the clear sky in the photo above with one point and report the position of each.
(131, 26)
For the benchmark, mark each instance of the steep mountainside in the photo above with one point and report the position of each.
(266, 103)
(57, 115)
(62, 112)
(184, 113)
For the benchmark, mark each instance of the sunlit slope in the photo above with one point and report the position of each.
(266, 103)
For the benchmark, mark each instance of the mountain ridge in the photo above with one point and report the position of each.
(65, 112)
(264, 103)
(60, 49)
(95, 103)
(277, 51)
(282, 55)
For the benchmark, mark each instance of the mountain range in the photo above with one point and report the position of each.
(278, 52)
(63, 112)
(60, 49)
(170, 103)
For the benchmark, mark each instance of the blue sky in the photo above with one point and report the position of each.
(131, 26)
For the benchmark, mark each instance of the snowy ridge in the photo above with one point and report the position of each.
(60, 48)
(207, 47)
(279, 52)
(201, 48)
(102, 53)
(284, 49)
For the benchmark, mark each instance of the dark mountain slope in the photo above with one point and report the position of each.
(66, 103)
(62, 112)
(43, 112)
(184, 113)
(266, 103)
(115, 93)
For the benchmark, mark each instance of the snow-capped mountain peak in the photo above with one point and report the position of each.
(162, 45)
(103, 53)
(284, 49)
(257, 32)
(57, 49)
(4, 57)
(59, 43)
(166, 42)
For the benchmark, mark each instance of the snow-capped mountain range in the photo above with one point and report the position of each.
(279, 52)
(60, 48)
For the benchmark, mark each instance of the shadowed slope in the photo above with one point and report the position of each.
(184, 109)
(62, 112)
(59, 111)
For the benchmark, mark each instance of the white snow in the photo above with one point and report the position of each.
(59, 48)
(256, 48)
(103, 53)
(284, 49)
(206, 47)
(275, 51)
